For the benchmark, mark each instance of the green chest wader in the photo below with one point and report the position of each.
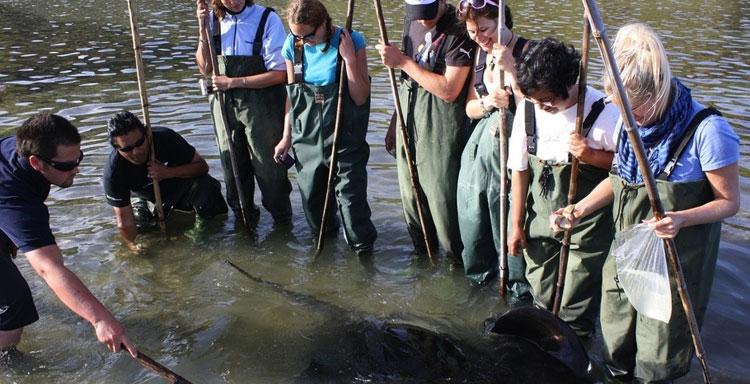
(590, 240)
(478, 196)
(635, 344)
(256, 123)
(313, 116)
(435, 129)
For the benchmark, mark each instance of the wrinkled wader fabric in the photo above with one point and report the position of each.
(256, 121)
(201, 194)
(635, 344)
(479, 209)
(313, 117)
(436, 136)
(589, 242)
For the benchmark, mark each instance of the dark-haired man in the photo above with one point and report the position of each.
(46, 150)
(435, 65)
(541, 147)
(181, 171)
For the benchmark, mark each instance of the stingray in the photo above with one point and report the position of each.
(523, 345)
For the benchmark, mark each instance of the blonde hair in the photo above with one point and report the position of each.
(644, 69)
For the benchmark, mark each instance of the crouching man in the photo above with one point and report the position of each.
(181, 171)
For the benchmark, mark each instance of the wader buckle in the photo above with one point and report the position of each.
(319, 98)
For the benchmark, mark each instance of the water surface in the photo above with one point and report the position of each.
(185, 307)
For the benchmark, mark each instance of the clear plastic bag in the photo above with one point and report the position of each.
(642, 271)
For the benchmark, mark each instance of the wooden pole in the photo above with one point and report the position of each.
(621, 98)
(138, 52)
(241, 197)
(573, 186)
(159, 369)
(334, 148)
(413, 177)
(502, 143)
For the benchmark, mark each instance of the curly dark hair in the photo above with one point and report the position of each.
(548, 64)
(122, 123)
(42, 133)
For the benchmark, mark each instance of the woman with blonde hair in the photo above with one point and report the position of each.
(312, 51)
(694, 154)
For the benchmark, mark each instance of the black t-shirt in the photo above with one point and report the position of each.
(449, 44)
(121, 176)
(24, 218)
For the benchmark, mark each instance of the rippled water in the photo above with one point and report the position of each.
(185, 307)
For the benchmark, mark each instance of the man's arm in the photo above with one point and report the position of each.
(196, 167)
(126, 225)
(48, 263)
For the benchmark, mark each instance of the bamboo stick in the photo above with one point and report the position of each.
(138, 53)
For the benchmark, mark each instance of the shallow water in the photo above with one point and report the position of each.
(184, 306)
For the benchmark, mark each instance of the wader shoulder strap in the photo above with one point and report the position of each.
(689, 133)
(588, 122)
(530, 117)
(518, 48)
(479, 67)
(596, 110)
(258, 42)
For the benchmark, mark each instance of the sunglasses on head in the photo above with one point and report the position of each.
(130, 148)
(63, 166)
(464, 5)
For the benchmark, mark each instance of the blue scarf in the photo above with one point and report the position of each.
(660, 139)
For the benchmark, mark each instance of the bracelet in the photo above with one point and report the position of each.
(204, 41)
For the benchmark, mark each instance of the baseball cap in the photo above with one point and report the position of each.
(421, 9)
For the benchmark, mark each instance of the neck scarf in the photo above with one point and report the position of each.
(660, 139)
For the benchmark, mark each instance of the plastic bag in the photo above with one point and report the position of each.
(642, 271)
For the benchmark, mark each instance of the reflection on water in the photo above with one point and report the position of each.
(184, 306)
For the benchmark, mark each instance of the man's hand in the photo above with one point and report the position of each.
(158, 171)
(110, 333)
(392, 56)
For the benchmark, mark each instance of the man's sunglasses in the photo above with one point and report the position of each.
(63, 166)
(463, 5)
(130, 148)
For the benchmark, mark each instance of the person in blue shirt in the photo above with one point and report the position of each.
(312, 52)
(247, 39)
(694, 155)
(45, 151)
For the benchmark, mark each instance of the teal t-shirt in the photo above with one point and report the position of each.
(320, 67)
